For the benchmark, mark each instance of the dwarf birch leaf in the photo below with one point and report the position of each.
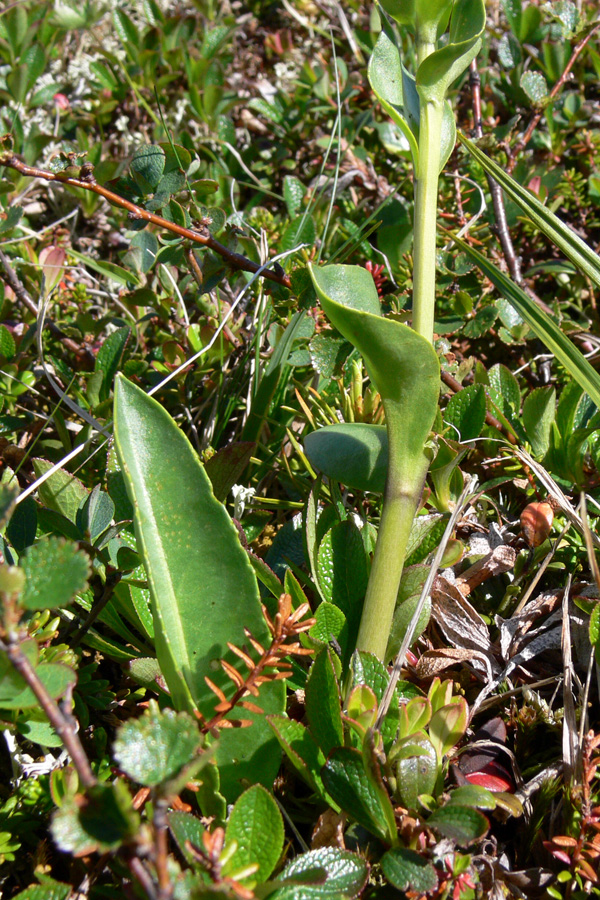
(55, 570)
(155, 747)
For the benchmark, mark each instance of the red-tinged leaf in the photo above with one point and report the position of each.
(491, 782)
(557, 853)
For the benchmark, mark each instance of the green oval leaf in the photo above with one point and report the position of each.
(322, 874)
(462, 824)
(256, 825)
(355, 454)
(406, 870)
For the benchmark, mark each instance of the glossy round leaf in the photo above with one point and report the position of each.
(322, 874)
(462, 824)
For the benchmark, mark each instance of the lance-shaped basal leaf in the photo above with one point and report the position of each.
(402, 365)
(55, 571)
(355, 454)
(541, 324)
(441, 68)
(202, 587)
(576, 249)
(156, 747)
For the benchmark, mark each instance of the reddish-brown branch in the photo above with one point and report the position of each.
(235, 260)
(57, 719)
(534, 121)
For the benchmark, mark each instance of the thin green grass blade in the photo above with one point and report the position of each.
(549, 224)
(546, 330)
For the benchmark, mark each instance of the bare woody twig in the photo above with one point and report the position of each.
(57, 719)
(512, 260)
(198, 236)
(512, 160)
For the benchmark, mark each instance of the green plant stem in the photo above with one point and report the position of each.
(425, 223)
(400, 504)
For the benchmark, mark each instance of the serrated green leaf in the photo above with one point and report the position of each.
(323, 703)
(154, 748)
(539, 411)
(95, 514)
(465, 412)
(406, 870)
(342, 569)
(22, 528)
(8, 494)
(143, 249)
(293, 194)
(49, 890)
(109, 358)
(413, 579)
(417, 769)
(55, 571)
(462, 824)
(535, 86)
(101, 820)
(301, 230)
(330, 624)
(323, 874)
(364, 798)
(13, 216)
(14, 692)
(7, 343)
(61, 492)
(424, 537)
(185, 827)
(367, 669)
(256, 825)
(301, 749)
